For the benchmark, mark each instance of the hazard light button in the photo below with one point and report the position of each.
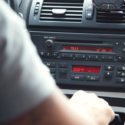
(89, 7)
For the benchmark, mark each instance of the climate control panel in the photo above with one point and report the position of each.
(88, 73)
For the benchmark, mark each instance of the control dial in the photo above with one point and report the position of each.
(49, 44)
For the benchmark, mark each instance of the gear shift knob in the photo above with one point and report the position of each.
(108, 4)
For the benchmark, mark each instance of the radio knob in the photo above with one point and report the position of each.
(49, 44)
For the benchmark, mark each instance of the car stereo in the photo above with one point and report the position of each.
(83, 61)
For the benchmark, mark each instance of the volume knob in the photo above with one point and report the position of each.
(49, 44)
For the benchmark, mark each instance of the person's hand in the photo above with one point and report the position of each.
(96, 108)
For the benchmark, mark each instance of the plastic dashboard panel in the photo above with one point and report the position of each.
(84, 24)
(39, 36)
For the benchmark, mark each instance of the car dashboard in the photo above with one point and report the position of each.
(83, 47)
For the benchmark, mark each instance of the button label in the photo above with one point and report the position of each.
(108, 74)
(63, 65)
(122, 80)
(48, 64)
(92, 78)
(42, 53)
(89, 14)
(77, 77)
(109, 67)
(123, 74)
(63, 71)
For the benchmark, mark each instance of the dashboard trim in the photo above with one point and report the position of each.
(94, 35)
(118, 109)
(103, 94)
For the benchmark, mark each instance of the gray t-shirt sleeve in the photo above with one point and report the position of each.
(25, 81)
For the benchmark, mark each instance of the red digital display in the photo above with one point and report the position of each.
(107, 49)
(86, 69)
(84, 48)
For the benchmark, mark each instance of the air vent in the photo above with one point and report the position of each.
(62, 10)
(117, 16)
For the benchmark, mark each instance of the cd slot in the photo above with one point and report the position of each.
(79, 41)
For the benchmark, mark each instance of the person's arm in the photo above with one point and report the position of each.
(82, 109)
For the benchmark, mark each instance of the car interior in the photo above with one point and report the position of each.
(83, 44)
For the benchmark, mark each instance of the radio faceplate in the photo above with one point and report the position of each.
(79, 67)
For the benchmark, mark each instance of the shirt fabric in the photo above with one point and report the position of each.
(25, 81)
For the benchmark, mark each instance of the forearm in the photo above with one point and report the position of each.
(54, 111)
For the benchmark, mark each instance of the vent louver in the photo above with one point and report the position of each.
(73, 10)
(117, 16)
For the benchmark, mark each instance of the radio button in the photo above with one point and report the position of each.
(63, 65)
(54, 54)
(92, 78)
(77, 77)
(63, 71)
(47, 54)
(52, 70)
(120, 74)
(65, 55)
(123, 49)
(107, 57)
(120, 80)
(93, 57)
(109, 68)
(50, 64)
(108, 73)
(123, 43)
(121, 68)
(117, 43)
(120, 58)
(80, 56)
(42, 54)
